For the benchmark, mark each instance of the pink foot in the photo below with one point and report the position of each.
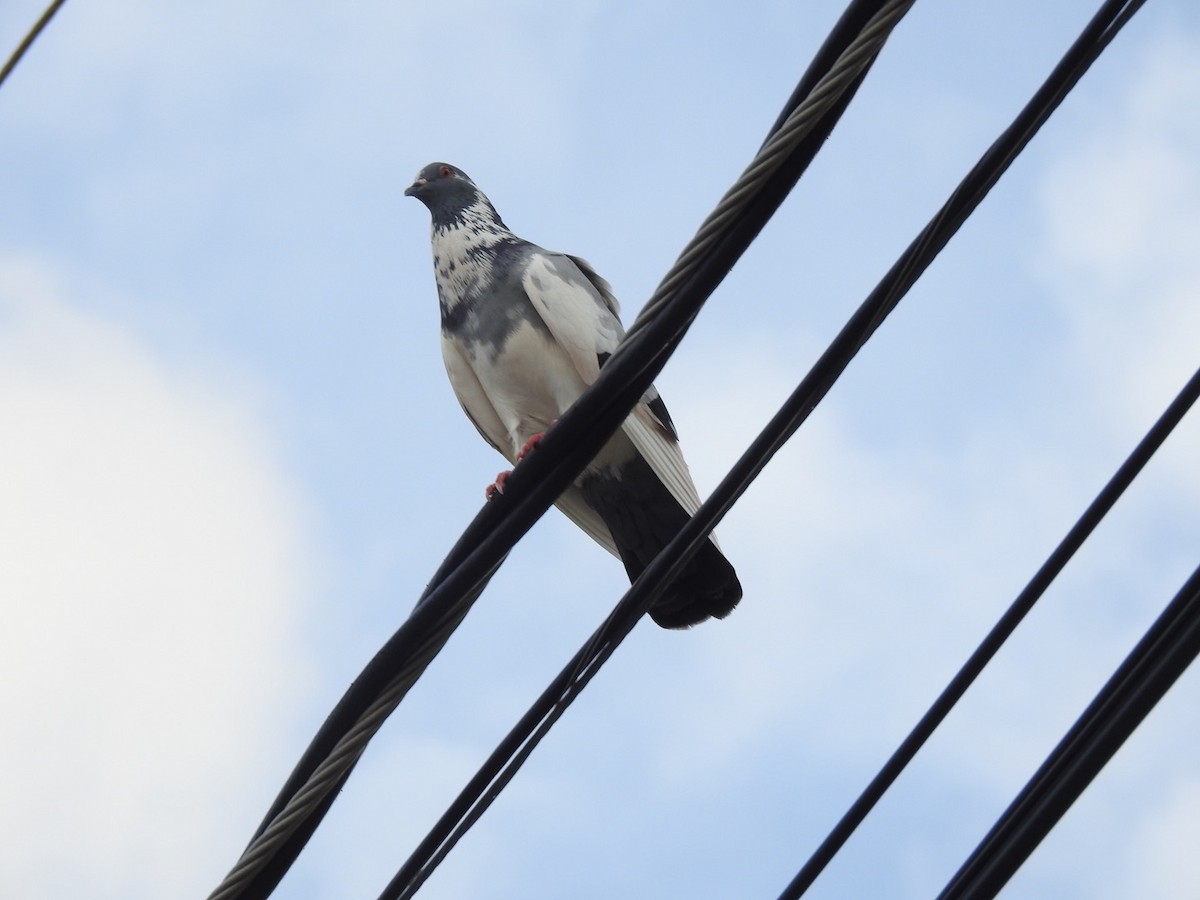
(531, 443)
(498, 487)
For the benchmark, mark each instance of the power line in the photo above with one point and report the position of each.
(1001, 631)
(1160, 657)
(498, 770)
(29, 38)
(1099, 32)
(502, 765)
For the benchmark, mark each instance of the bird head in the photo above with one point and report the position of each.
(442, 184)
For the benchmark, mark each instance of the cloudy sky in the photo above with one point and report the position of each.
(231, 460)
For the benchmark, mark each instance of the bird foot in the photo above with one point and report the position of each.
(529, 445)
(527, 448)
(497, 487)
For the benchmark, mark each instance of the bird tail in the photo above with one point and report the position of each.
(643, 517)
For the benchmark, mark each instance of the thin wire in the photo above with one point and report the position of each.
(848, 68)
(1159, 659)
(32, 36)
(1000, 632)
(1092, 41)
(534, 485)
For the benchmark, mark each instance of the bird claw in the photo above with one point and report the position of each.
(530, 444)
(497, 487)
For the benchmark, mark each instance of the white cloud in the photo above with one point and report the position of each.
(1122, 214)
(151, 569)
(1164, 861)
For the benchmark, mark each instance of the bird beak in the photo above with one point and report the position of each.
(412, 189)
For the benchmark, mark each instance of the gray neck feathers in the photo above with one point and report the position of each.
(465, 250)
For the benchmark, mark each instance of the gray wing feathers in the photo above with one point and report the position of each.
(574, 309)
(578, 307)
(483, 416)
(474, 399)
(665, 458)
(603, 288)
(575, 508)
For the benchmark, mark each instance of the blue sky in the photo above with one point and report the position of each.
(233, 460)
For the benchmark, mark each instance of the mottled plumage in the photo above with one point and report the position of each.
(524, 332)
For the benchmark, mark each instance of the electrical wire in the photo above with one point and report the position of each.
(533, 486)
(1160, 657)
(845, 70)
(1099, 32)
(502, 765)
(1001, 631)
(27, 42)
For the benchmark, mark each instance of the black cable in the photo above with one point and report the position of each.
(1000, 632)
(502, 764)
(1091, 42)
(533, 486)
(1156, 663)
(27, 42)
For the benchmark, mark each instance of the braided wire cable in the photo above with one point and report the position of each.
(466, 571)
(500, 768)
(336, 767)
(323, 780)
(849, 66)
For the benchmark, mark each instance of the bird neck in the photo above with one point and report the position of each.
(464, 250)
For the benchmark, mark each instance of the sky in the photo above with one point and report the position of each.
(231, 459)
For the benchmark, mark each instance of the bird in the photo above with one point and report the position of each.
(524, 331)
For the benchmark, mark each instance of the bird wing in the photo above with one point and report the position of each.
(603, 288)
(575, 508)
(474, 399)
(581, 312)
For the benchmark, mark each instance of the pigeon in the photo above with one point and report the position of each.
(524, 332)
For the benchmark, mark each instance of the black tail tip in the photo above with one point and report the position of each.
(686, 603)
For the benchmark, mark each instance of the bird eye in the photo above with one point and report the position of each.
(446, 172)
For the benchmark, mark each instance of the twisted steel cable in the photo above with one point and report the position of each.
(534, 485)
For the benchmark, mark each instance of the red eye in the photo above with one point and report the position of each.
(446, 171)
